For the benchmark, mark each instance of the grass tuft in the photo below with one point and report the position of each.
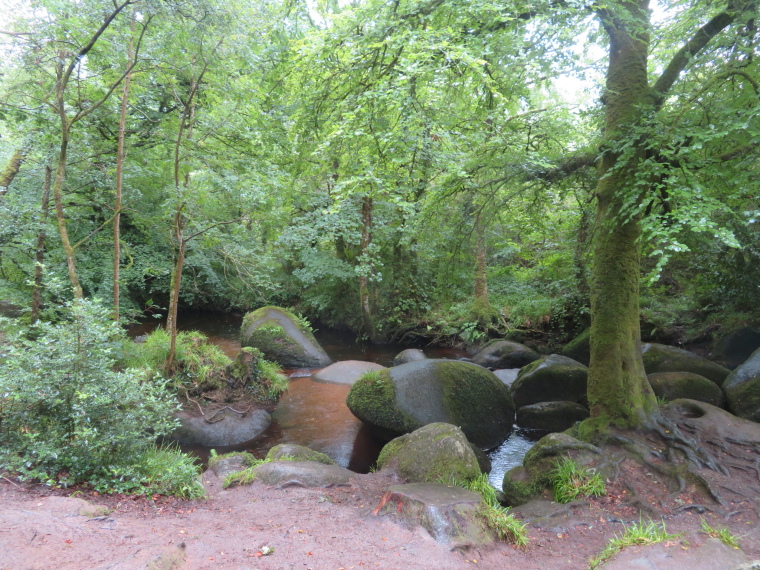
(571, 481)
(634, 535)
(723, 534)
(497, 517)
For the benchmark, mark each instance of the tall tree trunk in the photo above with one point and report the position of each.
(481, 282)
(364, 294)
(618, 389)
(40, 249)
(120, 178)
(60, 177)
(174, 288)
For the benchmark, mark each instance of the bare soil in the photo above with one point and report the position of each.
(319, 529)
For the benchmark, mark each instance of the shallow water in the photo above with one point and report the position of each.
(315, 414)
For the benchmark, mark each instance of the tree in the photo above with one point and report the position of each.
(618, 389)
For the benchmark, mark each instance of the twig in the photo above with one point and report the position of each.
(11, 482)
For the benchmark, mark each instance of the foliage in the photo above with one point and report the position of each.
(67, 417)
(637, 534)
(571, 481)
(199, 365)
(722, 534)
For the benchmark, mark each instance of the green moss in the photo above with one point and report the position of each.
(248, 459)
(291, 452)
(466, 401)
(389, 451)
(374, 396)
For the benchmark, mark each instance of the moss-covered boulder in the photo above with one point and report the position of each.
(674, 385)
(742, 389)
(404, 398)
(579, 348)
(664, 358)
(293, 452)
(283, 338)
(408, 355)
(551, 416)
(505, 354)
(345, 372)
(553, 378)
(437, 451)
(524, 482)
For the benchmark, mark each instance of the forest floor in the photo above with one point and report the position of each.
(331, 529)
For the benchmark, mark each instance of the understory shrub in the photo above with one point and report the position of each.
(198, 364)
(67, 416)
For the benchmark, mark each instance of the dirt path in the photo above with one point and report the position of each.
(319, 529)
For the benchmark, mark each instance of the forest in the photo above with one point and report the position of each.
(413, 171)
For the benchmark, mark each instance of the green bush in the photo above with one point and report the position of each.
(198, 364)
(67, 417)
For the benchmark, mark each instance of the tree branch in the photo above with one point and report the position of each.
(115, 84)
(692, 47)
(84, 51)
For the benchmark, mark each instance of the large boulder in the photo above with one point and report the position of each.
(551, 416)
(404, 398)
(674, 385)
(553, 378)
(220, 429)
(435, 452)
(345, 372)
(742, 389)
(450, 514)
(282, 474)
(664, 358)
(530, 479)
(505, 354)
(283, 338)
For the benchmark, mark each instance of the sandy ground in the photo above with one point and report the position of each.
(317, 529)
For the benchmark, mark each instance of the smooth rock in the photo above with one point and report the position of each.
(302, 473)
(742, 389)
(231, 429)
(408, 355)
(293, 452)
(437, 451)
(231, 463)
(553, 378)
(450, 514)
(404, 398)
(664, 358)
(282, 338)
(551, 416)
(711, 555)
(674, 385)
(505, 354)
(345, 372)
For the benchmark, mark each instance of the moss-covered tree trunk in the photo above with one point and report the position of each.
(39, 255)
(13, 167)
(618, 389)
(368, 321)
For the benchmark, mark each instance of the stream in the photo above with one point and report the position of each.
(315, 414)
